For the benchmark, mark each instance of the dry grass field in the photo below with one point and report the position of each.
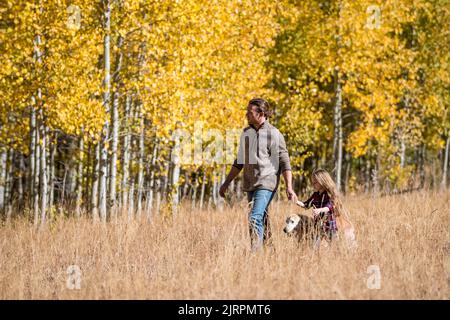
(205, 255)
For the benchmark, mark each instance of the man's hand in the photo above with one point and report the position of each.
(231, 175)
(291, 195)
(223, 189)
(287, 175)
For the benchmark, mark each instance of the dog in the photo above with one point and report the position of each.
(303, 227)
(309, 230)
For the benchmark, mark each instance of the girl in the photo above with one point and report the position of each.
(327, 206)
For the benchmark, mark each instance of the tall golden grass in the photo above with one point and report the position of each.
(205, 255)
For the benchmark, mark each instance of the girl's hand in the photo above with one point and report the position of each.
(300, 204)
(317, 211)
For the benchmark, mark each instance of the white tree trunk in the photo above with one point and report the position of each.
(2, 178)
(94, 192)
(445, 168)
(166, 178)
(43, 168)
(9, 184)
(132, 159)
(149, 199)
(175, 187)
(126, 153)
(214, 188)
(115, 131)
(79, 192)
(63, 188)
(367, 176)
(402, 153)
(72, 170)
(422, 166)
(71, 179)
(165, 183)
(114, 144)
(233, 186)
(34, 116)
(20, 180)
(106, 102)
(141, 155)
(202, 192)
(210, 198)
(375, 176)
(337, 141)
(348, 166)
(152, 181)
(221, 200)
(32, 160)
(36, 182)
(239, 189)
(158, 195)
(194, 192)
(47, 162)
(52, 171)
(337, 144)
(186, 185)
(131, 199)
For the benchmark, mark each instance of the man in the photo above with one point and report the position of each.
(263, 156)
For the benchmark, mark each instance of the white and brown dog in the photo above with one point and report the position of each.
(306, 228)
(303, 227)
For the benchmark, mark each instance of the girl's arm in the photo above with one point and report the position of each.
(305, 204)
(317, 211)
(300, 203)
(327, 207)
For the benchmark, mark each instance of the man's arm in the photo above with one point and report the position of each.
(230, 177)
(285, 167)
(287, 175)
(235, 168)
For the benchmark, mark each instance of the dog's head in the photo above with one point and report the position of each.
(291, 223)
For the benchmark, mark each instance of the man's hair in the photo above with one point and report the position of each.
(262, 106)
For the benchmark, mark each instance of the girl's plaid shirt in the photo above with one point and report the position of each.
(321, 200)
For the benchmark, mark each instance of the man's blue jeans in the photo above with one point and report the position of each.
(258, 215)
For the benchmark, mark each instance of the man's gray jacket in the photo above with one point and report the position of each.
(263, 156)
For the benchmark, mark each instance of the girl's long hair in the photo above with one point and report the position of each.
(324, 179)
